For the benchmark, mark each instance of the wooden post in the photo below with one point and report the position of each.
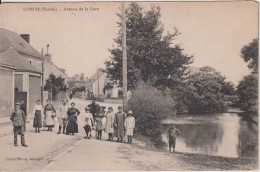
(98, 82)
(42, 89)
(124, 55)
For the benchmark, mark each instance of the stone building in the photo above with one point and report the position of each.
(21, 68)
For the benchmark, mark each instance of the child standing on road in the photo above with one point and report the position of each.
(99, 118)
(88, 118)
(129, 126)
(109, 128)
(172, 134)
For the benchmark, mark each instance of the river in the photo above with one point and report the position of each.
(225, 134)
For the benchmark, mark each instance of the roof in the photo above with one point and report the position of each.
(12, 58)
(94, 76)
(9, 39)
(57, 67)
(7, 66)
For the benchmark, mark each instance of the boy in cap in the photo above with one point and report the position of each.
(18, 118)
(172, 134)
(88, 118)
(129, 126)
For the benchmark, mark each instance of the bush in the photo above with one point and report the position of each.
(248, 94)
(150, 107)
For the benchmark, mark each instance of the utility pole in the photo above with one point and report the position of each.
(51, 83)
(42, 89)
(124, 56)
(98, 81)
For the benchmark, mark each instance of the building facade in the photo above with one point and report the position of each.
(6, 88)
(21, 69)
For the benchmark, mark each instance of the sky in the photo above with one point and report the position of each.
(214, 32)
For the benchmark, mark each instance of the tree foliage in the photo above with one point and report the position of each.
(248, 93)
(55, 84)
(250, 55)
(150, 106)
(247, 88)
(204, 92)
(150, 54)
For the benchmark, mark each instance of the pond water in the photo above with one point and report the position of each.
(226, 134)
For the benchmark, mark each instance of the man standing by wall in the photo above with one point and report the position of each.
(23, 108)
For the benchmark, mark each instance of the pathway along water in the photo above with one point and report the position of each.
(225, 134)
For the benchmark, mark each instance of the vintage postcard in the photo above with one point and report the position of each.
(129, 86)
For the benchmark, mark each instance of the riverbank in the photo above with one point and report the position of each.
(237, 110)
(199, 161)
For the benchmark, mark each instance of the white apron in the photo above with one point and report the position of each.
(49, 120)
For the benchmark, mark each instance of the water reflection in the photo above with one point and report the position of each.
(226, 134)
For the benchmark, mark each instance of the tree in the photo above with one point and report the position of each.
(247, 88)
(204, 91)
(248, 93)
(250, 55)
(55, 84)
(150, 55)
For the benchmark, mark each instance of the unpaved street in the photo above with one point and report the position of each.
(49, 151)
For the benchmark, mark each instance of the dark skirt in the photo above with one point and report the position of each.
(98, 123)
(37, 122)
(72, 126)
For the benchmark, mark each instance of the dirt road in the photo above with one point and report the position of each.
(48, 151)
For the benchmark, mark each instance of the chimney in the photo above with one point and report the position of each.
(48, 57)
(82, 76)
(26, 37)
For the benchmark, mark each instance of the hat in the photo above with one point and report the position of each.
(130, 112)
(87, 108)
(102, 107)
(17, 103)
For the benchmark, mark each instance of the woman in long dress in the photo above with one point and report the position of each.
(49, 112)
(119, 124)
(38, 113)
(110, 123)
(72, 125)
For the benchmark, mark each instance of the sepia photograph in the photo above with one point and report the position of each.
(129, 86)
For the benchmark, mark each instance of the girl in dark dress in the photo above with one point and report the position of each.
(99, 118)
(72, 125)
(38, 113)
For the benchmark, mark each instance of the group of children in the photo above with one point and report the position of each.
(114, 124)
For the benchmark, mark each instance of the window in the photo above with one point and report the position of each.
(39, 65)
